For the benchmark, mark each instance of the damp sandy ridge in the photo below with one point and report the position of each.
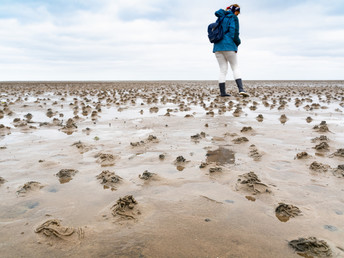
(169, 168)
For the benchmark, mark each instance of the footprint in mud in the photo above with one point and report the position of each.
(146, 175)
(125, 208)
(251, 183)
(150, 139)
(283, 119)
(180, 163)
(53, 228)
(81, 147)
(2, 180)
(250, 198)
(198, 137)
(302, 155)
(136, 144)
(322, 138)
(338, 153)
(154, 110)
(254, 153)
(29, 187)
(319, 167)
(260, 118)
(240, 140)
(17, 122)
(105, 159)
(339, 171)
(237, 112)
(109, 179)
(4, 130)
(215, 169)
(246, 129)
(286, 211)
(87, 131)
(322, 127)
(323, 146)
(311, 247)
(70, 127)
(65, 175)
(203, 165)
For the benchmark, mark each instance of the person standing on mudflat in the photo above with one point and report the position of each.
(226, 49)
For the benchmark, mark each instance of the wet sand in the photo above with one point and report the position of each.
(209, 176)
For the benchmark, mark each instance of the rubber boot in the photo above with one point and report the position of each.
(242, 92)
(222, 87)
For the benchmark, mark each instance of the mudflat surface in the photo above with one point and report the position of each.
(170, 169)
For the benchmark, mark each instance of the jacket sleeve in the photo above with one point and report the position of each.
(236, 38)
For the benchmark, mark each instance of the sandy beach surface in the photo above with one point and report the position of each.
(170, 169)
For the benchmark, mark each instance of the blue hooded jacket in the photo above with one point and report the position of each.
(230, 26)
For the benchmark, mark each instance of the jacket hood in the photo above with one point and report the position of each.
(220, 13)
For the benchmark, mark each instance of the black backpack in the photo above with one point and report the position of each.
(215, 31)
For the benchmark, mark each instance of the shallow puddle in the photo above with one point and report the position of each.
(221, 156)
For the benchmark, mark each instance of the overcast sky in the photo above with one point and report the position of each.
(167, 40)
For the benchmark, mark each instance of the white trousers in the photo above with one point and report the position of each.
(223, 58)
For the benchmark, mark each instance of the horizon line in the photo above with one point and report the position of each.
(105, 81)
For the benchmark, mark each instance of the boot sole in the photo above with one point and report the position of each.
(244, 94)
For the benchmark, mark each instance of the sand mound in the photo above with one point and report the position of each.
(81, 147)
(309, 119)
(125, 208)
(339, 171)
(106, 159)
(17, 122)
(283, 119)
(180, 162)
(254, 153)
(240, 140)
(246, 129)
(338, 153)
(302, 155)
(322, 127)
(53, 227)
(65, 175)
(146, 175)
(2, 180)
(198, 136)
(180, 159)
(310, 247)
(260, 118)
(4, 130)
(109, 179)
(215, 169)
(29, 187)
(150, 139)
(319, 167)
(70, 127)
(252, 183)
(203, 164)
(323, 146)
(286, 211)
(320, 138)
